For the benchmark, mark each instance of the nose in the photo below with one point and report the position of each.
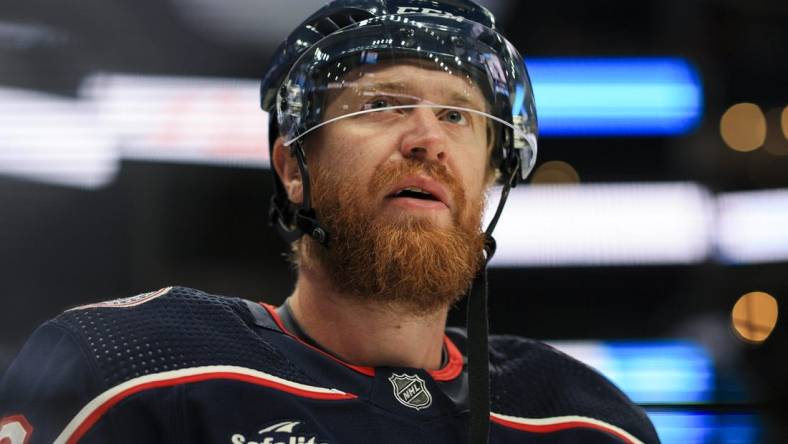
(424, 137)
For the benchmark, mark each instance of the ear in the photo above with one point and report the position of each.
(286, 167)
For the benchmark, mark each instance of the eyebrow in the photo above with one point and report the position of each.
(455, 98)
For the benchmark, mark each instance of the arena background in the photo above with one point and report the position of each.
(133, 156)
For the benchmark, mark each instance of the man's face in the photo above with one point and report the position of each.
(401, 190)
(361, 147)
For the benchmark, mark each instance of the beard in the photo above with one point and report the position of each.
(411, 264)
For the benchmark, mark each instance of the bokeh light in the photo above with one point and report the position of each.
(776, 142)
(743, 127)
(784, 122)
(755, 316)
(555, 172)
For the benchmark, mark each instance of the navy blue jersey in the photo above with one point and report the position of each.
(182, 366)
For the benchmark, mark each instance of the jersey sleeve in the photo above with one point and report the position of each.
(531, 380)
(45, 387)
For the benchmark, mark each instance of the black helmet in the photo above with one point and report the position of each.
(458, 36)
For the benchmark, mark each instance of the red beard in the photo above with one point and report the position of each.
(411, 265)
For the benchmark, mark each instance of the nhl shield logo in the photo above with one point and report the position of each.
(411, 391)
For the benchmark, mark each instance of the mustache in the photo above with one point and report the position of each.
(388, 174)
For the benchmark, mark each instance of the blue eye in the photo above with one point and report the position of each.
(378, 104)
(454, 116)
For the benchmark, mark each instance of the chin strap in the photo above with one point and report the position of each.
(478, 333)
(478, 354)
(304, 220)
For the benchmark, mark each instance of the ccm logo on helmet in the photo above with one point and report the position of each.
(428, 11)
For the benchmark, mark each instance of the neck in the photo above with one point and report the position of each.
(364, 332)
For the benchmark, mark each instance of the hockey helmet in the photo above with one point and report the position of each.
(328, 55)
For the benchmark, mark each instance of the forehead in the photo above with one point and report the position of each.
(426, 80)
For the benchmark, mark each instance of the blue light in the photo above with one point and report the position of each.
(669, 372)
(616, 96)
(688, 427)
(651, 371)
(519, 99)
(661, 371)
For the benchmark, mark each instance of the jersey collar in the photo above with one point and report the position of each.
(285, 323)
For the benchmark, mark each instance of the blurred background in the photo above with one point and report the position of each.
(652, 243)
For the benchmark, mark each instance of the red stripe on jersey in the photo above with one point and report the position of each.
(565, 425)
(94, 416)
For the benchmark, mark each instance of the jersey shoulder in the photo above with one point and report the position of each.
(76, 366)
(557, 385)
(171, 329)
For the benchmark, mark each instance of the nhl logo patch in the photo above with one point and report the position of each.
(411, 391)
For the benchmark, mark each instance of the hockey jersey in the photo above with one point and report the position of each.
(182, 366)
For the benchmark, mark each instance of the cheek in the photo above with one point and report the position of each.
(356, 153)
(343, 159)
(472, 168)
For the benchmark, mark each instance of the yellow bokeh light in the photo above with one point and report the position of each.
(743, 127)
(754, 316)
(784, 122)
(776, 142)
(555, 172)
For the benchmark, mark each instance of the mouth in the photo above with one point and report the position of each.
(415, 193)
(422, 192)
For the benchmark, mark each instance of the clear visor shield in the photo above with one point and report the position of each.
(414, 73)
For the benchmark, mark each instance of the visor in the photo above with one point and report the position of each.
(393, 72)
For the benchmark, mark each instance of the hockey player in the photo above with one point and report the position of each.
(390, 120)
